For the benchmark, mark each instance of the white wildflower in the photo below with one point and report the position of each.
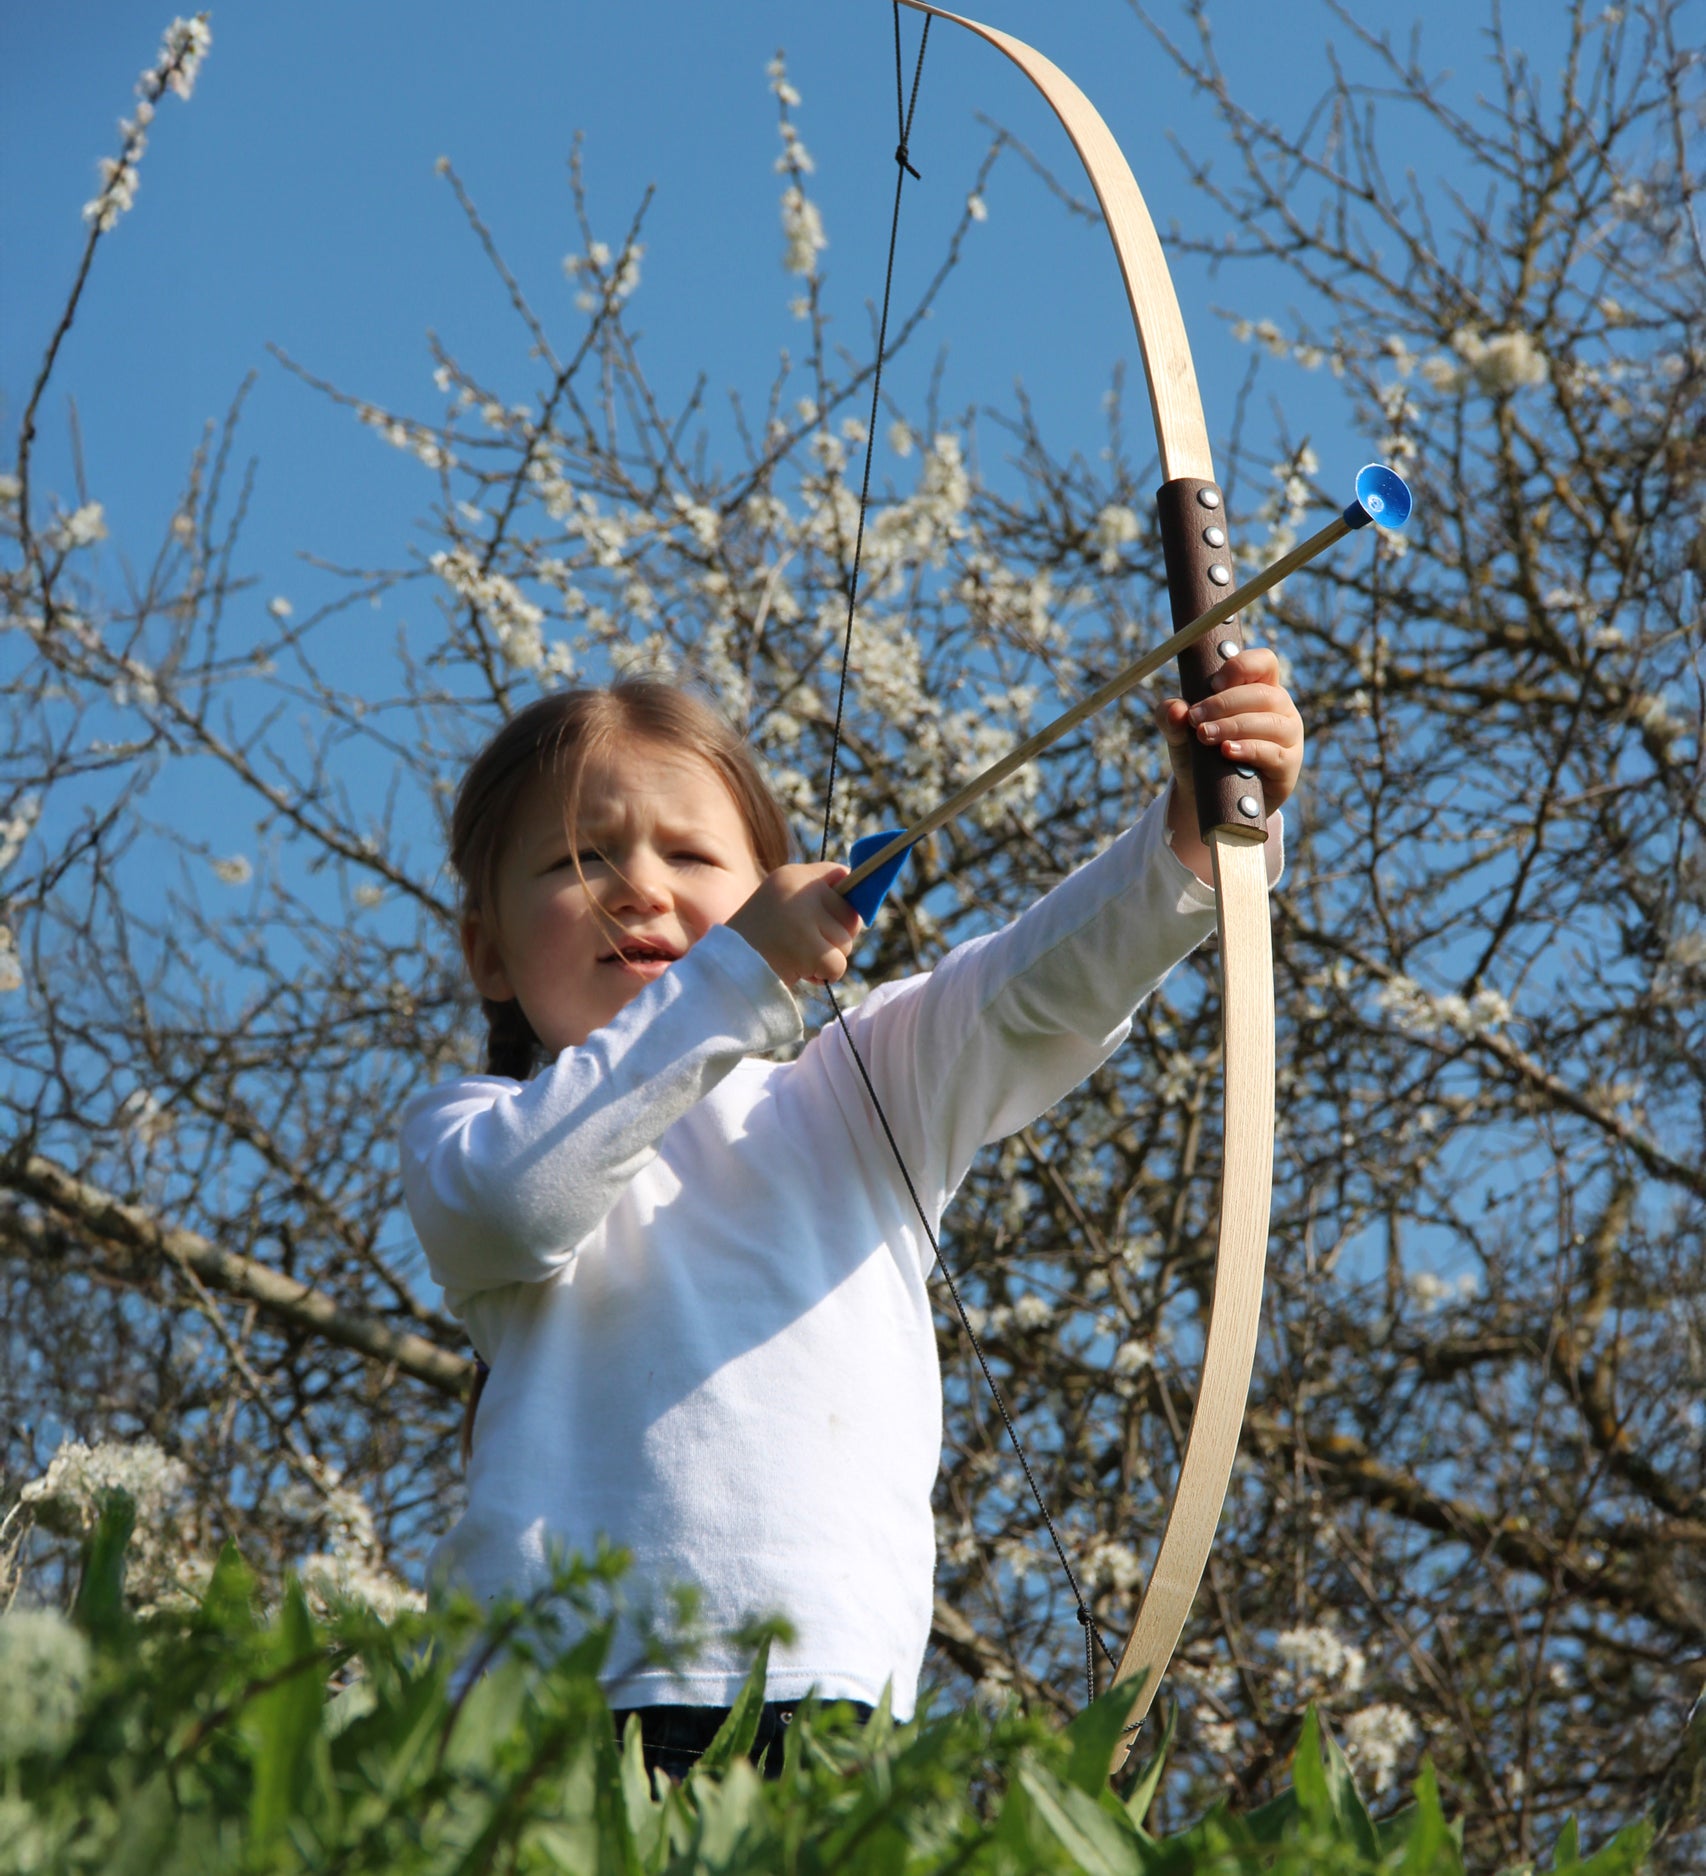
(1375, 1737)
(44, 1677)
(66, 1498)
(334, 1581)
(234, 871)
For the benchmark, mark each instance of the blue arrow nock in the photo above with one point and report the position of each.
(1382, 495)
(870, 892)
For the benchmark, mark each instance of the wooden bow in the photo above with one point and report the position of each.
(1234, 824)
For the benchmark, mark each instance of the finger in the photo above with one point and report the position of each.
(1254, 664)
(1248, 702)
(1265, 727)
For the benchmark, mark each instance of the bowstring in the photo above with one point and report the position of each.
(904, 108)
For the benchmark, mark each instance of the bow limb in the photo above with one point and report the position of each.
(1234, 825)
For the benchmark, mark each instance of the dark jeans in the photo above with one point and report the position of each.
(674, 1737)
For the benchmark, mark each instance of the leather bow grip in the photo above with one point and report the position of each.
(1199, 571)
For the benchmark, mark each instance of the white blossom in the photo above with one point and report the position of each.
(901, 439)
(777, 72)
(515, 621)
(1504, 362)
(977, 208)
(280, 608)
(1421, 1013)
(44, 1677)
(142, 1113)
(1108, 1562)
(1116, 527)
(1133, 1355)
(181, 52)
(1033, 1312)
(367, 896)
(1433, 1291)
(1374, 1739)
(1318, 1660)
(83, 526)
(234, 871)
(802, 230)
(17, 827)
(11, 966)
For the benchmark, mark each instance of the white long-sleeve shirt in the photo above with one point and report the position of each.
(700, 1282)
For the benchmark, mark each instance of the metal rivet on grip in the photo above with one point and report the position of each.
(1209, 498)
(1220, 575)
(1249, 806)
(1227, 649)
(1215, 537)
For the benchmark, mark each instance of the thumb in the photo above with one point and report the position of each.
(1172, 718)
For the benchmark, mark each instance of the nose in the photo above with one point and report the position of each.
(641, 882)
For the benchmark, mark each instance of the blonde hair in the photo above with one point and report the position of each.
(558, 737)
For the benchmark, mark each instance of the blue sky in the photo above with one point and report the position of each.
(294, 200)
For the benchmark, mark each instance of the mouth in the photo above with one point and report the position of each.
(642, 954)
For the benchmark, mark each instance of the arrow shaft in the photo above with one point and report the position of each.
(1117, 686)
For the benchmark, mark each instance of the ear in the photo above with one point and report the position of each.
(484, 958)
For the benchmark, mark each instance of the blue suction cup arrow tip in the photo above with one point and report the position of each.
(1382, 495)
(870, 892)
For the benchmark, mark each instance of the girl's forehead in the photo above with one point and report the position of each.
(638, 772)
(639, 776)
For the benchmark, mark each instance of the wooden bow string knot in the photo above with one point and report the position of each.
(1233, 819)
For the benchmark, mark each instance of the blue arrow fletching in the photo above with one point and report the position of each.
(870, 892)
(1382, 496)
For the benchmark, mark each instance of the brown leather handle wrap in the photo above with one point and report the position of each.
(1199, 571)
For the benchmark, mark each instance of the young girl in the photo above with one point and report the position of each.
(696, 1275)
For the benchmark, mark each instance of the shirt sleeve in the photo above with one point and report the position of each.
(1007, 1024)
(504, 1179)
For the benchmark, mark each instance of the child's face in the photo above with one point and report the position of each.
(664, 856)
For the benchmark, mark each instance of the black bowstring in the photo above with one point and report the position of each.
(1093, 1637)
